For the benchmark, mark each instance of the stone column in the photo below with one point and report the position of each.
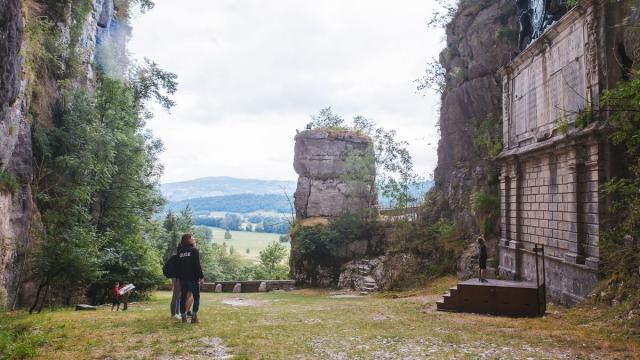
(573, 196)
(505, 205)
(516, 241)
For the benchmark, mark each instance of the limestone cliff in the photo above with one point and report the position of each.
(21, 97)
(323, 161)
(481, 38)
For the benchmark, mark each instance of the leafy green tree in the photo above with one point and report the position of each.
(227, 235)
(387, 167)
(327, 119)
(271, 259)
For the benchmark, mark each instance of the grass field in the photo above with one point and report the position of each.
(314, 324)
(243, 240)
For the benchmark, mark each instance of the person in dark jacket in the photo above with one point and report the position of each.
(175, 296)
(190, 275)
(482, 259)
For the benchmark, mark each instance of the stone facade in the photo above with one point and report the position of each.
(556, 154)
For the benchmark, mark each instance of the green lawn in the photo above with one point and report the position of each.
(243, 240)
(313, 324)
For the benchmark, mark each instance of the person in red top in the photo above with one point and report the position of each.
(115, 296)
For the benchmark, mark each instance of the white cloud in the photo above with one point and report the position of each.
(252, 71)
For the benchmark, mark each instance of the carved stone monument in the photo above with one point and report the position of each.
(556, 153)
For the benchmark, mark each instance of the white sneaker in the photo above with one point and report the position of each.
(177, 317)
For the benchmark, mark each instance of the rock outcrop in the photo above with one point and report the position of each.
(481, 38)
(336, 177)
(327, 187)
(19, 217)
(16, 206)
(363, 275)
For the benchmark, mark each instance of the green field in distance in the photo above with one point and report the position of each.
(243, 240)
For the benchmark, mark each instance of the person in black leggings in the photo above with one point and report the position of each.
(482, 260)
(190, 275)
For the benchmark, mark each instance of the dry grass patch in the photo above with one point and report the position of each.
(309, 324)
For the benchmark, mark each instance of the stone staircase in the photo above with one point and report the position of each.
(369, 286)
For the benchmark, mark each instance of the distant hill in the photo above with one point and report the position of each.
(223, 185)
(237, 203)
(417, 191)
(232, 195)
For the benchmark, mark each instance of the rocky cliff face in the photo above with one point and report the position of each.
(15, 150)
(323, 160)
(481, 38)
(18, 214)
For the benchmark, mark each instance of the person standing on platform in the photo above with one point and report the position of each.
(482, 260)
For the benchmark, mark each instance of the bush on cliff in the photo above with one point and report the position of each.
(326, 245)
(620, 255)
(439, 245)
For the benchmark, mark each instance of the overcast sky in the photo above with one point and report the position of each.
(251, 72)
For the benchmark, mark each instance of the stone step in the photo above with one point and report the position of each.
(441, 305)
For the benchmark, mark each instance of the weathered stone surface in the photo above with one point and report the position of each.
(358, 274)
(19, 217)
(262, 287)
(11, 28)
(551, 178)
(481, 38)
(218, 288)
(321, 154)
(322, 163)
(237, 288)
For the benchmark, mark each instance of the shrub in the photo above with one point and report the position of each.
(8, 182)
(487, 136)
(486, 208)
(440, 244)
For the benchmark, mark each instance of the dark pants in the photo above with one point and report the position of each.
(194, 287)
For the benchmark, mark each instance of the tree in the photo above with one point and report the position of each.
(388, 162)
(232, 222)
(327, 119)
(271, 257)
(227, 235)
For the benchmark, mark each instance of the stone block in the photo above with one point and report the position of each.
(591, 218)
(218, 288)
(237, 288)
(574, 258)
(262, 287)
(569, 216)
(592, 263)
